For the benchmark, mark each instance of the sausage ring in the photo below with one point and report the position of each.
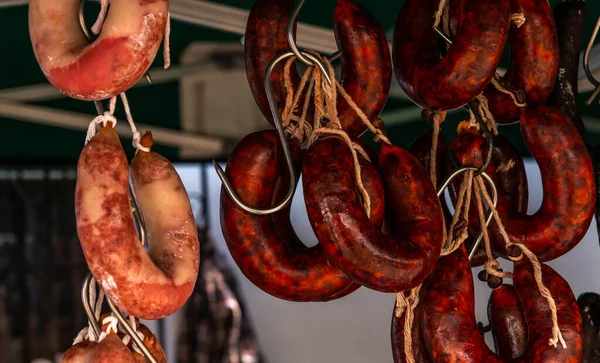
(265, 247)
(534, 59)
(111, 64)
(468, 66)
(149, 285)
(366, 60)
(356, 246)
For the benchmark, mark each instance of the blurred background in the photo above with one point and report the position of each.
(198, 110)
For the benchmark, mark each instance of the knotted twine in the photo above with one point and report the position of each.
(325, 109)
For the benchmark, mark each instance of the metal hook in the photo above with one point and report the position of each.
(290, 34)
(309, 61)
(586, 64)
(88, 36)
(286, 149)
(89, 311)
(494, 200)
(96, 325)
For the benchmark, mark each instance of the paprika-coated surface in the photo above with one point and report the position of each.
(366, 60)
(569, 17)
(265, 247)
(537, 314)
(419, 349)
(468, 65)
(450, 329)
(110, 65)
(366, 64)
(534, 58)
(507, 170)
(149, 285)
(448, 313)
(265, 39)
(373, 259)
(568, 183)
(508, 325)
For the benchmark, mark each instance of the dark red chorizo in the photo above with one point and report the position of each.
(419, 349)
(448, 313)
(335, 210)
(366, 64)
(468, 65)
(366, 61)
(534, 58)
(508, 325)
(569, 187)
(569, 17)
(259, 246)
(265, 39)
(537, 313)
(507, 170)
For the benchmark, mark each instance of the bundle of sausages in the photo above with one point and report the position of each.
(539, 90)
(355, 249)
(144, 284)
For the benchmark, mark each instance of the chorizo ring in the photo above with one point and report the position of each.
(111, 64)
(267, 254)
(468, 65)
(448, 316)
(149, 285)
(366, 64)
(508, 325)
(357, 247)
(534, 59)
(448, 313)
(569, 17)
(569, 188)
(507, 170)
(366, 60)
(537, 314)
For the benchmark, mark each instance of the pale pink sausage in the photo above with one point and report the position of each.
(113, 63)
(147, 285)
(109, 350)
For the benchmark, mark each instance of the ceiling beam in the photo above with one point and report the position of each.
(210, 147)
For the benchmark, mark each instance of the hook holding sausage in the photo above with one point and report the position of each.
(586, 64)
(494, 200)
(280, 131)
(124, 323)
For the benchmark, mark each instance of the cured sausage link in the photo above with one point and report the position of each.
(534, 58)
(568, 181)
(448, 313)
(419, 348)
(366, 64)
(113, 63)
(468, 66)
(506, 169)
(260, 245)
(146, 285)
(110, 349)
(358, 248)
(537, 313)
(265, 39)
(508, 325)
